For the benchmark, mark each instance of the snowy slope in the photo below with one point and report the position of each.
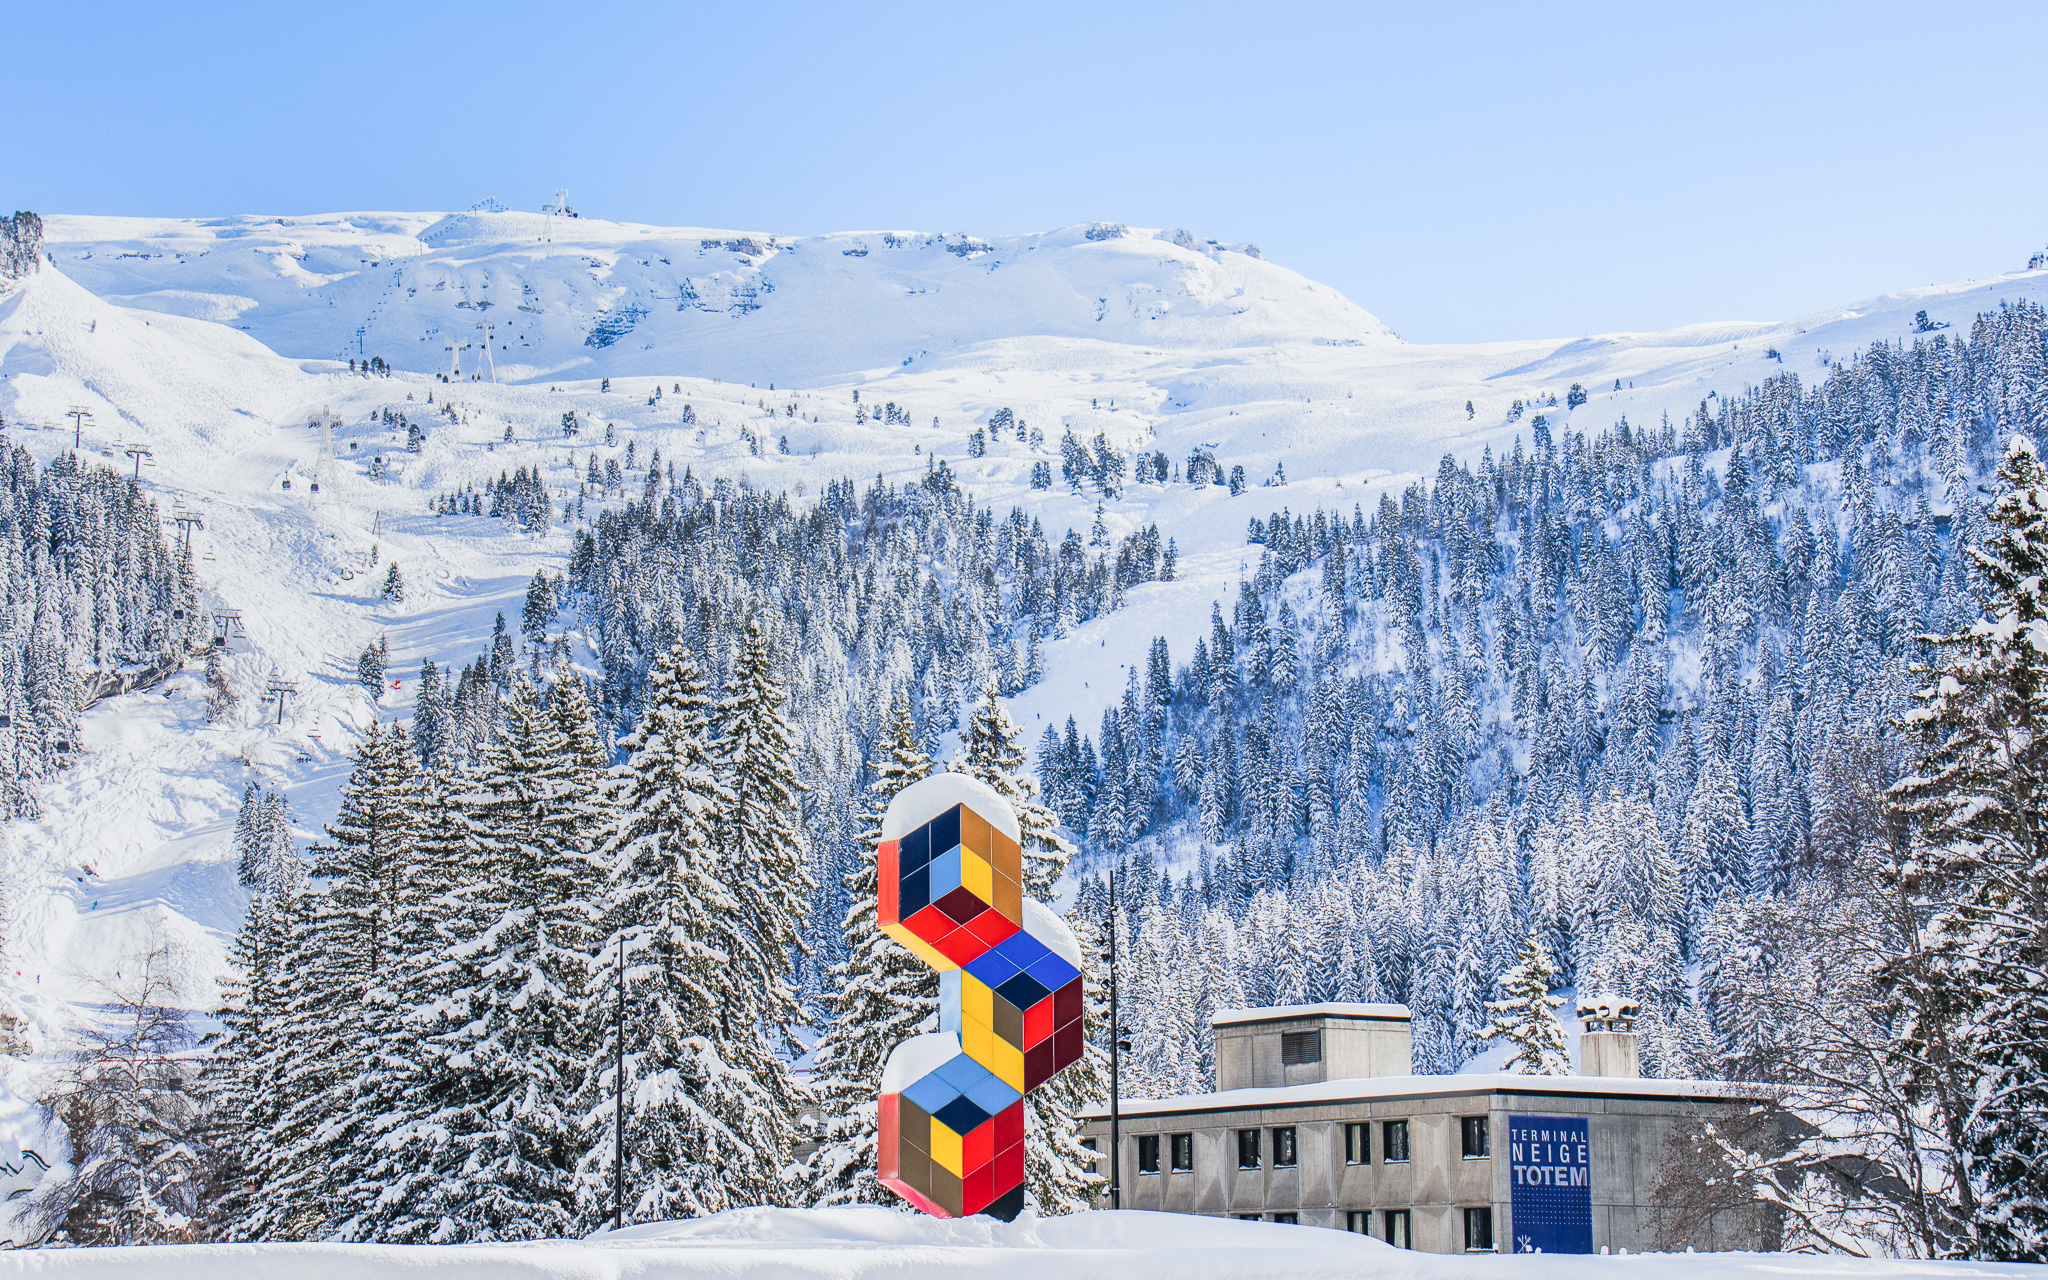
(848, 1244)
(215, 343)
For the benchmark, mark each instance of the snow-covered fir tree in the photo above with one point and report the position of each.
(1525, 1016)
(1977, 875)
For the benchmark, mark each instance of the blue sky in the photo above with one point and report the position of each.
(1467, 172)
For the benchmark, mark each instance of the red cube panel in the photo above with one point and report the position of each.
(931, 924)
(977, 1189)
(961, 905)
(1009, 1125)
(886, 1137)
(1039, 1065)
(1038, 1022)
(889, 891)
(1066, 1045)
(960, 946)
(1066, 1003)
(1009, 1166)
(991, 927)
(979, 1146)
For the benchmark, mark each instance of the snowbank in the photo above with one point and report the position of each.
(754, 1244)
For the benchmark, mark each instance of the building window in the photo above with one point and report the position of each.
(1283, 1148)
(1299, 1047)
(1396, 1221)
(1247, 1148)
(1093, 1165)
(1148, 1153)
(1357, 1144)
(1287, 1217)
(1248, 1217)
(1479, 1229)
(1472, 1131)
(1359, 1220)
(1183, 1152)
(1394, 1142)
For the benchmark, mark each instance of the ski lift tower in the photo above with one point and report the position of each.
(280, 689)
(187, 521)
(490, 363)
(78, 416)
(454, 360)
(138, 453)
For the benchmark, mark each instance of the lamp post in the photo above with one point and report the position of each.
(1116, 1036)
(619, 1098)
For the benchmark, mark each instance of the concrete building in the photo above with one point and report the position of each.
(1318, 1120)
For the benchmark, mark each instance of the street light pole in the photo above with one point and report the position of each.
(619, 1101)
(1116, 1035)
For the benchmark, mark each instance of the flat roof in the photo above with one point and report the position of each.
(1276, 1013)
(1382, 1088)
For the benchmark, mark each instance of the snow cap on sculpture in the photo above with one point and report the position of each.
(950, 889)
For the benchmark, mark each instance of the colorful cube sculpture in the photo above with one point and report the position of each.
(1010, 999)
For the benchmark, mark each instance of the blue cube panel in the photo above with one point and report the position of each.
(992, 968)
(945, 830)
(931, 1093)
(962, 1073)
(945, 873)
(914, 850)
(1023, 991)
(1023, 950)
(960, 1115)
(1053, 973)
(915, 893)
(950, 1003)
(992, 1095)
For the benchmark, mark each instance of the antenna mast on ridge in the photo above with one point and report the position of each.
(559, 209)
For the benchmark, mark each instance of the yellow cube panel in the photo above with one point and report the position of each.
(919, 947)
(975, 1039)
(977, 876)
(974, 831)
(946, 1148)
(1006, 1061)
(977, 1001)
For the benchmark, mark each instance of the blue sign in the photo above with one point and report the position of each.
(1550, 1184)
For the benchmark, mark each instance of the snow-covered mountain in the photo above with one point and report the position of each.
(215, 343)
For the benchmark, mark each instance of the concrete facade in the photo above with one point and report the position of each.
(1630, 1123)
(1352, 1040)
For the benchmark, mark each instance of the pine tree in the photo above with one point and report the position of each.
(1526, 1014)
(401, 1175)
(995, 757)
(761, 863)
(221, 698)
(315, 1039)
(882, 995)
(394, 584)
(664, 902)
(370, 669)
(1977, 870)
(518, 1038)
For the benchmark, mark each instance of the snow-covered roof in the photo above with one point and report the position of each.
(1379, 1088)
(1337, 1009)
